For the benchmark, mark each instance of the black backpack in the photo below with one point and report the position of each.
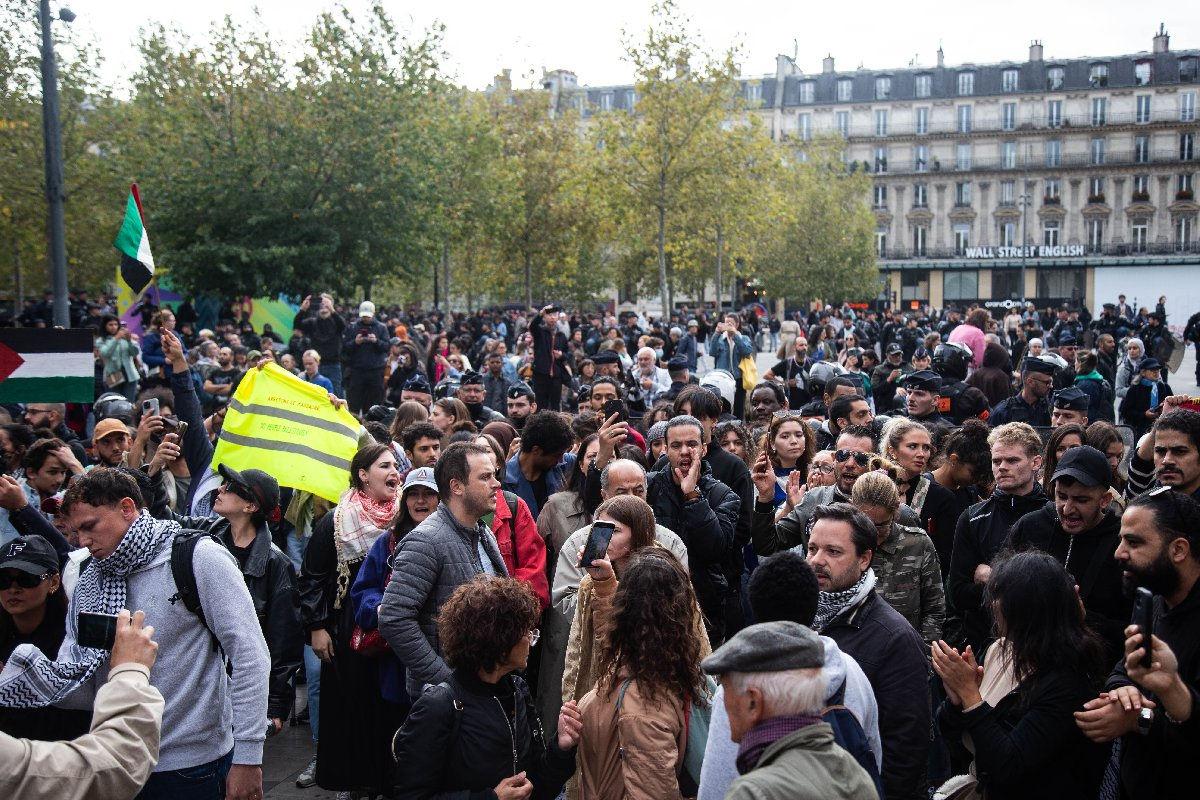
(849, 735)
(183, 551)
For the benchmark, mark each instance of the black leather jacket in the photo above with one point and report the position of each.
(463, 737)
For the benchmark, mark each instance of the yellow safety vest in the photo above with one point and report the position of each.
(287, 427)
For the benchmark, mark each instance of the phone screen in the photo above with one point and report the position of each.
(98, 631)
(597, 543)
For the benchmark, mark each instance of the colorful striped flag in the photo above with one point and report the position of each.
(44, 365)
(137, 263)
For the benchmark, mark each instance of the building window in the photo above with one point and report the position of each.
(924, 85)
(881, 159)
(845, 89)
(921, 158)
(881, 242)
(1183, 186)
(964, 119)
(960, 284)
(962, 238)
(1008, 233)
(920, 235)
(1009, 80)
(804, 127)
(1095, 235)
(1008, 193)
(1184, 226)
(807, 91)
(914, 284)
(1143, 73)
(1053, 190)
(1053, 153)
(1054, 78)
(1008, 155)
(1008, 116)
(1061, 283)
(922, 121)
(880, 199)
(1141, 149)
(881, 122)
(1143, 108)
(1099, 107)
(962, 193)
(1187, 150)
(1054, 113)
(1098, 76)
(1096, 190)
(753, 92)
(1187, 107)
(962, 157)
(920, 195)
(966, 84)
(1189, 69)
(1138, 235)
(1006, 284)
(883, 88)
(1141, 188)
(606, 101)
(1050, 233)
(1097, 152)
(843, 123)
(631, 96)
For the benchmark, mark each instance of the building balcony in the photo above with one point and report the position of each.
(1116, 158)
(1185, 194)
(951, 127)
(1096, 199)
(1140, 197)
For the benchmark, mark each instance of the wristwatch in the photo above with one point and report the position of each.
(1145, 720)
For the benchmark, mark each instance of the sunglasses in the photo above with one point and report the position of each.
(239, 491)
(862, 459)
(534, 636)
(22, 579)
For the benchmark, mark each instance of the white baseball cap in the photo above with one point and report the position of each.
(366, 309)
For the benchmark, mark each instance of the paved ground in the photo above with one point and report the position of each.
(289, 752)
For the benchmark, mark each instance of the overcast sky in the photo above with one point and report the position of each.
(484, 36)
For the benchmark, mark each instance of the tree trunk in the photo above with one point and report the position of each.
(446, 272)
(435, 288)
(19, 304)
(663, 289)
(528, 281)
(720, 265)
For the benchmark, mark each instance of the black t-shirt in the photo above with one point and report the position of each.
(242, 554)
(41, 724)
(541, 492)
(784, 371)
(224, 377)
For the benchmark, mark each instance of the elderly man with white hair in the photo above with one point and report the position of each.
(650, 379)
(773, 676)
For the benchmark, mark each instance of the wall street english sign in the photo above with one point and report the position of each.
(1028, 251)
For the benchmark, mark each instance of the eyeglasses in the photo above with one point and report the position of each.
(534, 637)
(824, 469)
(22, 579)
(862, 459)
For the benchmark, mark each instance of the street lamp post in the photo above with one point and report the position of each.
(52, 140)
(1024, 200)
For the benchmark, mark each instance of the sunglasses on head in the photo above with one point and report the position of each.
(862, 459)
(22, 579)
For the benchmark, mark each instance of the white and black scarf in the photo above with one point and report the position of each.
(830, 604)
(33, 679)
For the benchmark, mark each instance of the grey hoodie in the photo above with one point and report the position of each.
(720, 754)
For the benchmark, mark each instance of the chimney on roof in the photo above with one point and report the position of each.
(1162, 39)
(827, 64)
(941, 62)
(1035, 50)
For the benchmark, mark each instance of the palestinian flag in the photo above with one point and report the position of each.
(137, 264)
(44, 365)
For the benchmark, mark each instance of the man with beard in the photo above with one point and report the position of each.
(422, 443)
(495, 382)
(521, 403)
(886, 378)
(111, 442)
(1154, 709)
(1170, 454)
(604, 390)
(855, 448)
(924, 390)
(470, 391)
(764, 400)
(220, 381)
(541, 467)
(1030, 404)
(1079, 531)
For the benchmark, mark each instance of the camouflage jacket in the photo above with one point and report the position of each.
(910, 579)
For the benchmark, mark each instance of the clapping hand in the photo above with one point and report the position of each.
(960, 675)
(570, 725)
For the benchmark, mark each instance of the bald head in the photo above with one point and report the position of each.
(623, 476)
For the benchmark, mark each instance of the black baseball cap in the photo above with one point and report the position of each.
(894, 348)
(1149, 363)
(1072, 398)
(262, 487)
(925, 379)
(31, 554)
(1085, 464)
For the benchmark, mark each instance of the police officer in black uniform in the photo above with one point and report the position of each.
(681, 377)
(922, 403)
(958, 400)
(1031, 404)
(1069, 405)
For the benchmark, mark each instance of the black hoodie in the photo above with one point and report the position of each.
(981, 532)
(1091, 563)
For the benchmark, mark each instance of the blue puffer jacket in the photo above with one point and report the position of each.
(367, 594)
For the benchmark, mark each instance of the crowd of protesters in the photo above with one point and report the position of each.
(602, 556)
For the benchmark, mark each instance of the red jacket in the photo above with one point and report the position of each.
(528, 563)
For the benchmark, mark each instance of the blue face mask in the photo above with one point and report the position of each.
(658, 353)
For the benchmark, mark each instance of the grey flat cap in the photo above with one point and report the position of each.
(768, 647)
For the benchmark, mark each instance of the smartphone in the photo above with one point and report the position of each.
(181, 430)
(616, 407)
(1143, 617)
(97, 631)
(150, 407)
(597, 543)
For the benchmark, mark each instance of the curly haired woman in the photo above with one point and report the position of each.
(634, 735)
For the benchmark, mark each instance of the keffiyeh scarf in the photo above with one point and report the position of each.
(33, 679)
(357, 522)
(830, 604)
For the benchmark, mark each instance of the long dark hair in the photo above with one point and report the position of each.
(1043, 618)
(654, 640)
(56, 608)
(1050, 464)
(575, 478)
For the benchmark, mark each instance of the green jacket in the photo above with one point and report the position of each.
(909, 578)
(805, 765)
